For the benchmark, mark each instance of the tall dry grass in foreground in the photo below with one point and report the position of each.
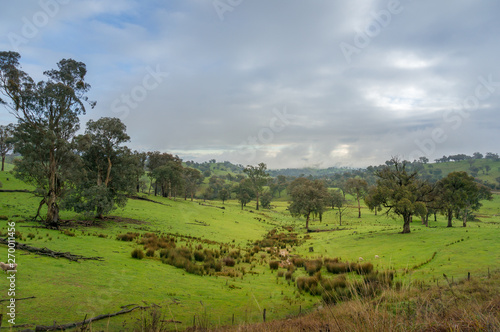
(464, 306)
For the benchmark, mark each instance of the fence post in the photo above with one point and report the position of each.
(468, 276)
(264, 315)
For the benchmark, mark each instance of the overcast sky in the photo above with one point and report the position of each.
(291, 83)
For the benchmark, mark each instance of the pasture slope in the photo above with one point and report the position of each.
(66, 291)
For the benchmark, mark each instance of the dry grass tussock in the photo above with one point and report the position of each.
(465, 306)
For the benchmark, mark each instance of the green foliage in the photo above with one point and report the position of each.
(400, 191)
(458, 193)
(257, 179)
(265, 200)
(308, 197)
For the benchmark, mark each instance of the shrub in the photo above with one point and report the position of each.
(150, 253)
(138, 253)
(256, 249)
(331, 260)
(164, 253)
(31, 236)
(309, 284)
(313, 266)
(229, 261)
(288, 275)
(234, 254)
(274, 265)
(199, 256)
(353, 267)
(334, 283)
(68, 232)
(298, 262)
(337, 268)
(364, 268)
(281, 273)
(127, 237)
(102, 235)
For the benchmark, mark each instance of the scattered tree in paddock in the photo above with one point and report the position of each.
(358, 188)
(192, 180)
(308, 197)
(458, 194)
(400, 191)
(257, 177)
(338, 203)
(244, 192)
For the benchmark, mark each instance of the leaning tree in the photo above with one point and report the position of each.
(47, 114)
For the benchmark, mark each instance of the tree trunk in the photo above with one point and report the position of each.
(3, 162)
(465, 218)
(257, 208)
(108, 173)
(307, 222)
(359, 209)
(435, 216)
(450, 218)
(52, 207)
(406, 225)
(340, 218)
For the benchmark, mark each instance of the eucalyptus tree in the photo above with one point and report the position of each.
(48, 118)
(458, 194)
(358, 188)
(308, 197)
(109, 169)
(257, 177)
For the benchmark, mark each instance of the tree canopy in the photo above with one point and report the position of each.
(308, 197)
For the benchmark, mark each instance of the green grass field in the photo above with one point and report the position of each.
(67, 291)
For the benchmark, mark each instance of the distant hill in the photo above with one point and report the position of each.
(314, 172)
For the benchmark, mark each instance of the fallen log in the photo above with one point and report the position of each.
(50, 253)
(24, 298)
(85, 321)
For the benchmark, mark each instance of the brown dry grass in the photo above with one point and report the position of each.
(465, 306)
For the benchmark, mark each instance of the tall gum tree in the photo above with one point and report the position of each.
(47, 114)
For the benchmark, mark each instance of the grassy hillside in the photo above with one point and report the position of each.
(481, 165)
(97, 287)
